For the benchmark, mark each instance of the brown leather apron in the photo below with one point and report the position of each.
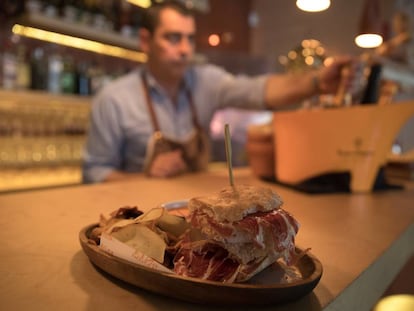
(195, 151)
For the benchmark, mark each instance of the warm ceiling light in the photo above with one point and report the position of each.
(368, 40)
(141, 3)
(79, 43)
(313, 5)
(369, 34)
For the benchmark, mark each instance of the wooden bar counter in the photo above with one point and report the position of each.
(362, 240)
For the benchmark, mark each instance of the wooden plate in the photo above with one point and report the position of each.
(265, 288)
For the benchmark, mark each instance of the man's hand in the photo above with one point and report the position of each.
(341, 68)
(168, 164)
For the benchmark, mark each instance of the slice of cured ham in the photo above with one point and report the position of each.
(234, 251)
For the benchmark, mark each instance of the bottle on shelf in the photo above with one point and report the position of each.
(23, 75)
(8, 66)
(107, 11)
(85, 11)
(55, 68)
(68, 76)
(83, 80)
(125, 19)
(96, 74)
(34, 6)
(53, 8)
(39, 68)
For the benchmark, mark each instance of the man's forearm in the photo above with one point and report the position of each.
(283, 90)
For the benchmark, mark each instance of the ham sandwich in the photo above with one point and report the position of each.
(235, 234)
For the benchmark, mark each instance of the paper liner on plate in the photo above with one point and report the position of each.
(119, 249)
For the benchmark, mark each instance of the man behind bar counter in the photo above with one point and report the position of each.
(156, 118)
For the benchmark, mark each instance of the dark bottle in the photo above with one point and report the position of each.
(372, 89)
(38, 69)
(83, 80)
(68, 76)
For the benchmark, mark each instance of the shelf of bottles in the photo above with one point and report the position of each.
(27, 63)
(42, 136)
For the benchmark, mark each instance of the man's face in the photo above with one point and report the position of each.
(172, 45)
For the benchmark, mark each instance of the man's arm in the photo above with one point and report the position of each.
(286, 89)
(164, 165)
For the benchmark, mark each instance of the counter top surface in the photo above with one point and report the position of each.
(362, 240)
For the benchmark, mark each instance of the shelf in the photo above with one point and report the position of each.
(103, 42)
(61, 26)
(42, 137)
(37, 98)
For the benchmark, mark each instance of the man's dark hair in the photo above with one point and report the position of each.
(151, 16)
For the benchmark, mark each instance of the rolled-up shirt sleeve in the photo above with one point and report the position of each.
(224, 89)
(242, 92)
(102, 153)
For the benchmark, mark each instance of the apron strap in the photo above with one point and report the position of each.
(151, 110)
(148, 101)
(193, 110)
(195, 153)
